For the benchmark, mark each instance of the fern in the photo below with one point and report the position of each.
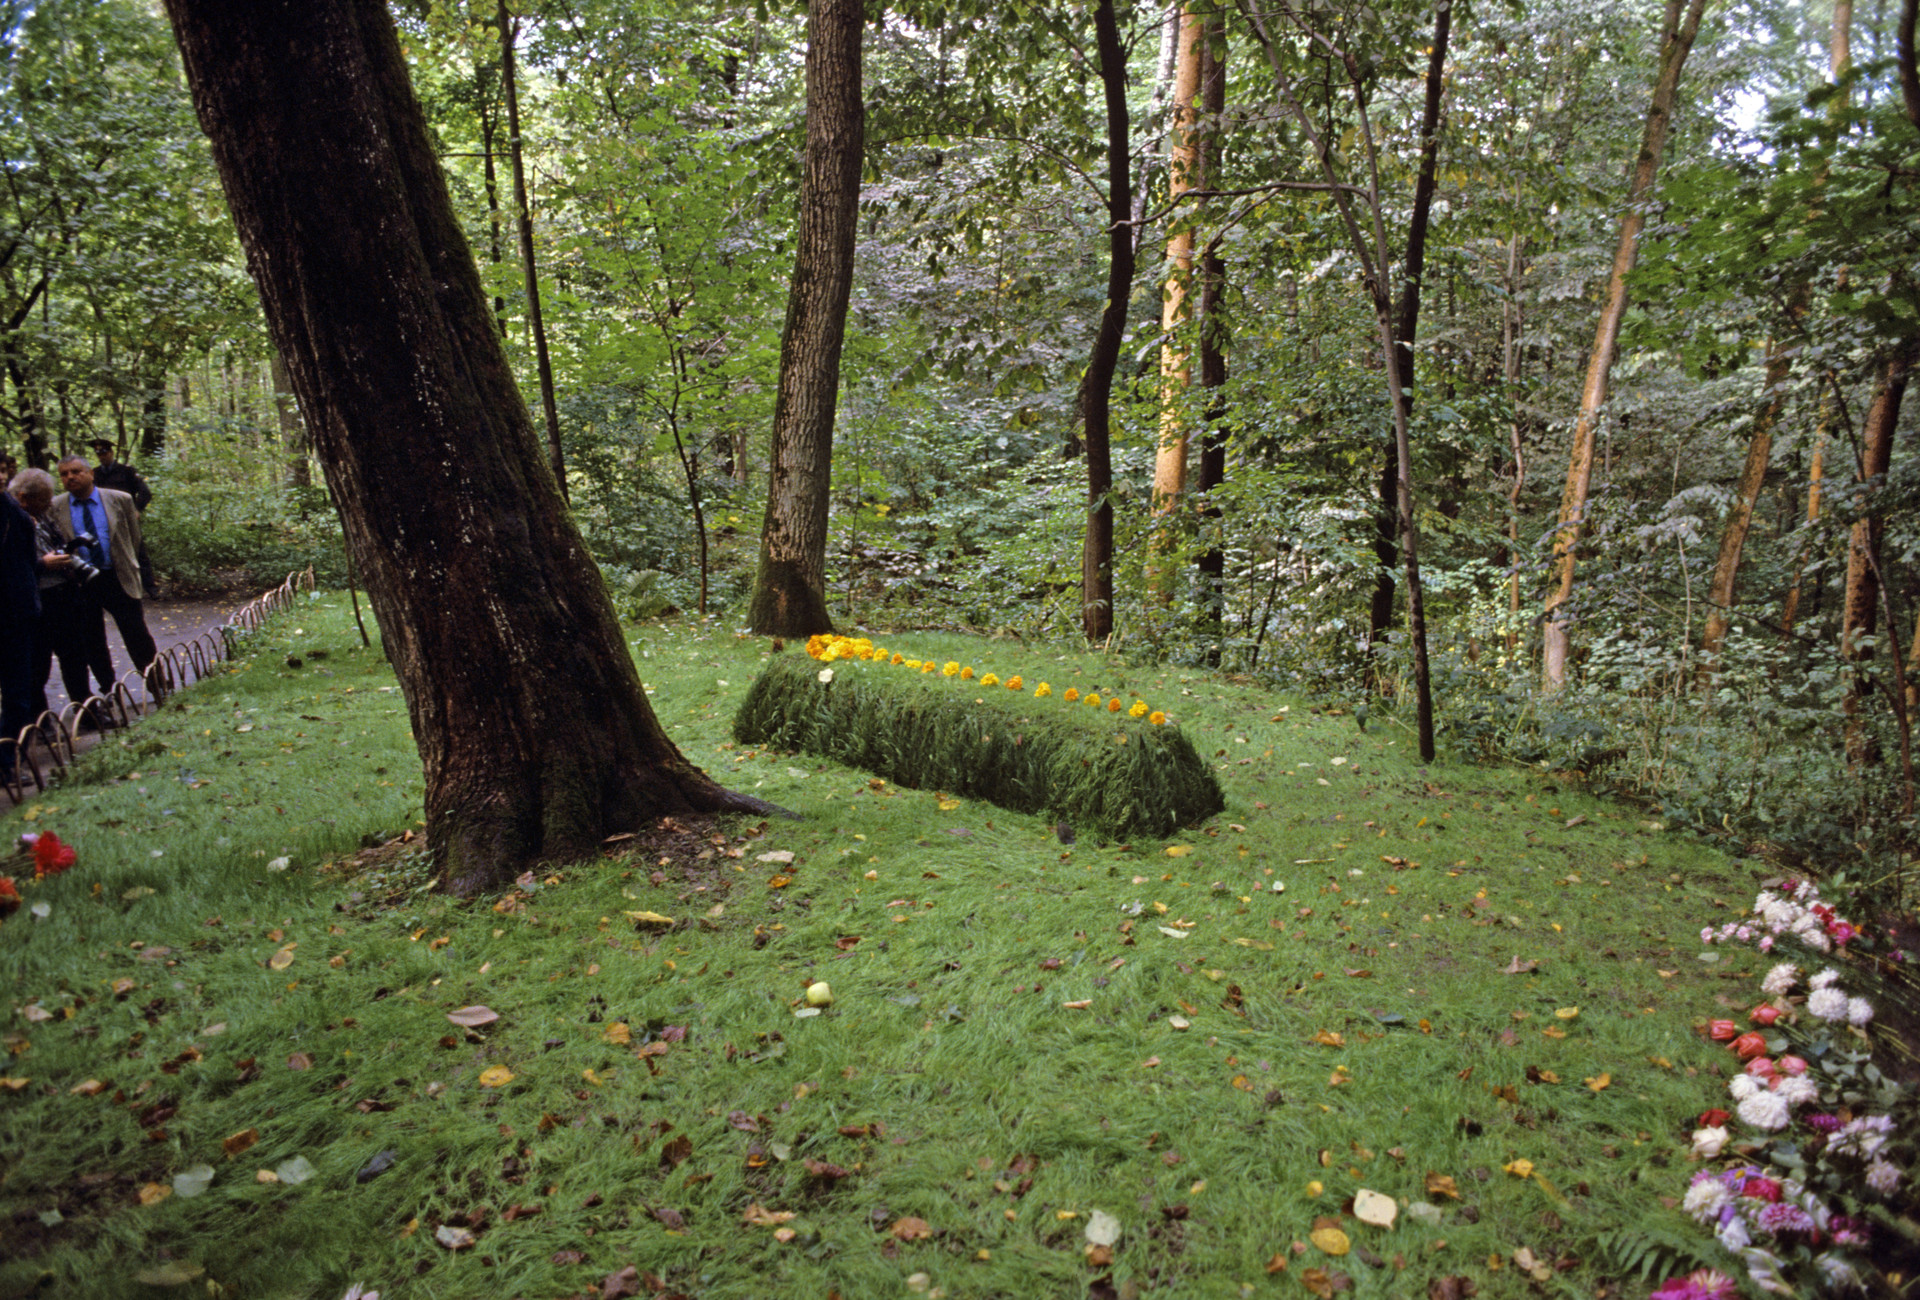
(1654, 1252)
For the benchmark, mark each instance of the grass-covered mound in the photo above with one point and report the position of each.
(1094, 766)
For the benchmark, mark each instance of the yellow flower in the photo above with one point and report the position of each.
(989, 679)
(862, 654)
(913, 665)
(1041, 691)
(927, 667)
(1093, 699)
(950, 670)
(815, 644)
(1157, 718)
(966, 674)
(1071, 695)
(898, 659)
(1113, 705)
(1139, 709)
(1014, 683)
(830, 654)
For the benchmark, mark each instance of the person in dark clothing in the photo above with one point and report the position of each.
(65, 606)
(122, 477)
(112, 525)
(19, 624)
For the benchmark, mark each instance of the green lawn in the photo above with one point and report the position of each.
(1216, 1041)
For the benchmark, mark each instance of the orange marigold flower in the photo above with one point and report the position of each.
(898, 659)
(1113, 706)
(966, 674)
(1157, 718)
(1014, 683)
(1071, 695)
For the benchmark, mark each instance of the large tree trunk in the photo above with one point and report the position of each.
(1096, 385)
(1186, 170)
(1859, 616)
(1676, 40)
(790, 588)
(532, 725)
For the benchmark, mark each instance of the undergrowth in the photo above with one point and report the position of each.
(1367, 973)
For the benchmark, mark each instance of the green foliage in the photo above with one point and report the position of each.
(214, 524)
(1117, 777)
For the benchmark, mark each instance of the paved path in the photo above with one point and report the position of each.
(170, 621)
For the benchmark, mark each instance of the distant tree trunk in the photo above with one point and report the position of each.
(489, 128)
(293, 430)
(1096, 384)
(536, 323)
(536, 736)
(1407, 326)
(1186, 160)
(1211, 566)
(1676, 40)
(1511, 321)
(790, 587)
(1860, 613)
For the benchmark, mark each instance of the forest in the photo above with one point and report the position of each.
(1527, 377)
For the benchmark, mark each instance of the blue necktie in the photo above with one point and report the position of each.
(99, 541)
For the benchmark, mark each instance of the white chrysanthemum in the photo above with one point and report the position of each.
(1780, 979)
(1764, 899)
(1836, 1275)
(1743, 1086)
(1733, 1233)
(1815, 939)
(1824, 978)
(1883, 1178)
(1859, 1011)
(1862, 1137)
(1797, 1090)
(1764, 1110)
(1780, 916)
(1827, 1003)
(1706, 1199)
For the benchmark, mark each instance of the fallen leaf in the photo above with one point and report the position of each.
(1442, 1185)
(495, 1076)
(154, 1193)
(90, 1088)
(295, 1171)
(1317, 1281)
(649, 920)
(234, 1143)
(300, 1061)
(281, 959)
(619, 1033)
(1081, 1005)
(910, 1229)
(758, 1216)
(1331, 1240)
(781, 856)
(1102, 1229)
(1518, 967)
(189, 1183)
(1519, 1168)
(174, 1273)
(473, 1017)
(1375, 1208)
(1600, 1081)
(1327, 1038)
(1179, 850)
(1567, 1013)
(453, 1238)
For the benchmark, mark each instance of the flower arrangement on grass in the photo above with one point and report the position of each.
(50, 858)
(828, 648)
(1821, 1214)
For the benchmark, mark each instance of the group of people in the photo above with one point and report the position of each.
(69, 559)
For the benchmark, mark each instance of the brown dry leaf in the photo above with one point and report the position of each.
(1600, 1081)
(281, 959)
(1278, 1264)
(1537, 1075)
(619, 1033)
(758, 1216)
(1452, 1288)
(910, 1229)
(1099, 1256)
(1331, 1240)
(1442, 1185)
(90, 1088)
(123, 986)
(677, 1152)
(1081, 1005)
(300, 1061)
(154, 1193)
(658, 1047)
(473, 1017)
(1327, 1038)
(1317, 1281)
(234, 1143)
(1518, 967)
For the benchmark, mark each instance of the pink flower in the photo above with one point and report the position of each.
(1761, 1068)
(1840, 931)
(1721, 1030)
(1791, 1065)
(1764, 1014)
(1748, 1046)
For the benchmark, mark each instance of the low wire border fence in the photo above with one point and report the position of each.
(178, 666)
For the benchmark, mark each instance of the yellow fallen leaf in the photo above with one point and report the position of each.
(281, 959)
(1179, 850)
(154, 1193)
(1553, 1031)
(1519, 1168)
(1328, 1038)
(1600, 1081)
(652, 920)
(495, 1076)
(90, 1088)
(234, 1143)
(1331, 1240)
(619, 1032)
(12, 1084)
(948, 805)
(1566, 1013)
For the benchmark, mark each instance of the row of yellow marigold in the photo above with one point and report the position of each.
(827, 648)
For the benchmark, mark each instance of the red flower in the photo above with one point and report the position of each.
(1764, 1014)
(9, 895)
(1748, 1046)
(1793, 1065)
(1722, 1030)
(50, 856)
(1713, 1118)
(1761, 1189)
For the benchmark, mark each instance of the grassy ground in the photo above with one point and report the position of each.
(1023, 1033)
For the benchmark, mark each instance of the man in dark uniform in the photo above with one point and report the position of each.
(121, 477)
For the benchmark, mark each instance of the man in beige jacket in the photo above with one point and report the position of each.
(110, 518)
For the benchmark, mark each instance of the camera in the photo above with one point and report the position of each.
(80, 570)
